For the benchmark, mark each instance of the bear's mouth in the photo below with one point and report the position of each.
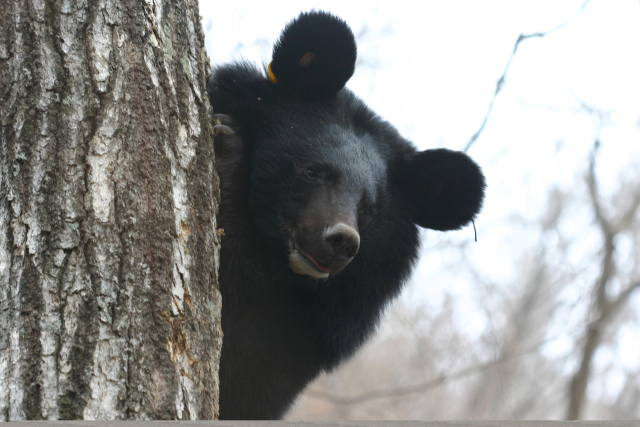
(315, 262)
(303, 263)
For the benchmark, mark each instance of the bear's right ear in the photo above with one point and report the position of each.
(314, 56)
(443, 189)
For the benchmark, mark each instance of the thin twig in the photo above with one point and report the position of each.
(500, 82)
(592, 185)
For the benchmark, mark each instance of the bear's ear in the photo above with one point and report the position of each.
(314, 56)
(443, 189)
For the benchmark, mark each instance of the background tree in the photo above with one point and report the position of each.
(109, 305)
(606, 300)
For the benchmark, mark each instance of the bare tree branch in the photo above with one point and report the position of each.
(615, 305)
(421, 387)
(500, 82)
(604, 307)
(592, 185)
(626, 218)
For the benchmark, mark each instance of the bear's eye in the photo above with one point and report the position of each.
(365, 216)
(311, 173)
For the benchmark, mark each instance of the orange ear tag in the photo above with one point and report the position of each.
(272, 76)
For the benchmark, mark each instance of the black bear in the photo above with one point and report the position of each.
(321, 200)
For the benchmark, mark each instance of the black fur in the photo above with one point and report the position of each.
(315, 55)
(292, 162)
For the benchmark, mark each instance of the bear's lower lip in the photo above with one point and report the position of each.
(315, 262)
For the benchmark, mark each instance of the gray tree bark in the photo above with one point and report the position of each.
(109, 303)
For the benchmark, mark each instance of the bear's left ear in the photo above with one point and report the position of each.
(314, 56)
(443, 189)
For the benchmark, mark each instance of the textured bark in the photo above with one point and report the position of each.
(109, 304)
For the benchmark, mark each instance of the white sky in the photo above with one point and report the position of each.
(433, 70)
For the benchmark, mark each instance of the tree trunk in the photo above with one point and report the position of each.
(109, 303)
(579, 382)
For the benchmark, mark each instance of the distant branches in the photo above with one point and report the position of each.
(417, 388)
(501, 80)
(604, 306)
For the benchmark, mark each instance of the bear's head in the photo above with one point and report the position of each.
(322, 172)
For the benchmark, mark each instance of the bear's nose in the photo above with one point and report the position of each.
(344, 240)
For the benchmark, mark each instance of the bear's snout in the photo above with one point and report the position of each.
(323, 253)
(343, 240)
